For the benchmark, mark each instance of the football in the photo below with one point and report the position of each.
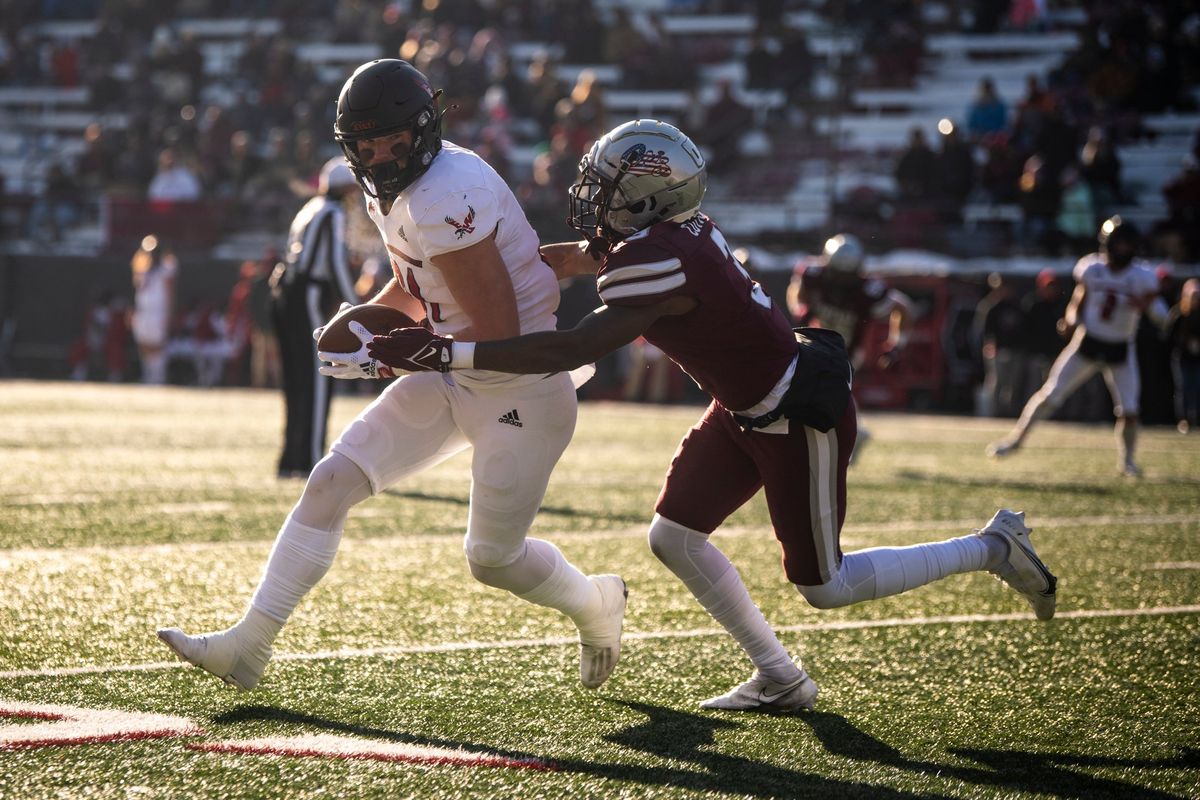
(338, 338)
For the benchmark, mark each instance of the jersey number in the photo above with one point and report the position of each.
(432, 310)
(756, 292)
(1108, 306)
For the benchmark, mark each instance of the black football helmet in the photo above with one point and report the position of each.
(383, 97)
(1119, 242)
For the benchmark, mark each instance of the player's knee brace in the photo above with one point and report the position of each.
(853, 582)
(492, 555)
(674, 545)
(335, 484)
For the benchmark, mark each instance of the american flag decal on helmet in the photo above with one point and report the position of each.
(637, 160)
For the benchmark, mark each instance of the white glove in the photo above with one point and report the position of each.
(318, 331)
(358, 364)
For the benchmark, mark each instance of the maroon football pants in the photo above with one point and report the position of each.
(718, 467)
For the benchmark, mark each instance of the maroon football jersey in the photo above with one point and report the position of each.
(736, 344)
(838, 301)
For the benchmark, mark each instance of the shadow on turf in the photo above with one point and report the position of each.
(260, 713)
(560, 511)
(992, 482)
(667, 733)
(680, 736)
(1012, 770)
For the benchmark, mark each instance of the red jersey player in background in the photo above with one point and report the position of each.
(781, 418)
(832, 292)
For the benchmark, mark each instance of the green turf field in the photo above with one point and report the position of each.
(125, 508)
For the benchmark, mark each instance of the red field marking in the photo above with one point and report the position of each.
(63, 726)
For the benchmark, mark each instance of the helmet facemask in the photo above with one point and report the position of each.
(386, 180)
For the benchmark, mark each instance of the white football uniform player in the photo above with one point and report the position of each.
(1112, 292)
(448, 220)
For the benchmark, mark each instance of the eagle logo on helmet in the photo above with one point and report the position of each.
(461, 229)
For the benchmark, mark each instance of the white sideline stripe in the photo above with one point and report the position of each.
(1175, 565)
(903, 526)
(555, 641)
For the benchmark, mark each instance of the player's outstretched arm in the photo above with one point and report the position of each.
(601, 332)
(569, 259)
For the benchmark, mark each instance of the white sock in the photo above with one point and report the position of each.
(884, 571)
(300, 558)
(565, 588)
(729, 603)
(715, 583)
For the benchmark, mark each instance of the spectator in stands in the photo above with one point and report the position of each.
(214, 132)
(57, 207)
(725, 124)
(1183, 337)
(1000, 175)
(1039, 199)
(173, 182)
(1076, 212)
(1101, 168)
(916, 170)
(545, 90)
(1000, 330)
(1182, 226)
(590, 111)
(236, 174)
(954, 173)
(94, 169)
(987, 113)
(762, 63)
(796, 68)
(154, 270)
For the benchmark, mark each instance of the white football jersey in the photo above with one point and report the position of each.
(459, 202)
(1108, 311)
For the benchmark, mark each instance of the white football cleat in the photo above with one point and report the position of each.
(760, 693)
(600, 639)
(1129, 469)
(228, 654)
(1022, 569)
(1002, 448)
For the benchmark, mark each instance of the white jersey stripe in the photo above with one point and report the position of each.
(638, 272)
(643, 288)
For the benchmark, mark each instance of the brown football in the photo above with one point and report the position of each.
(338, 338)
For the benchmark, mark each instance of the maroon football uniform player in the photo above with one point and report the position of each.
(832, 292)
(781, 418)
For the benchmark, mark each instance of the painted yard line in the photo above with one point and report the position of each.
(903, 526)
(1175, 565)
(556, 641)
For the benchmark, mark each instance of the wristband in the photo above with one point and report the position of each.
(462, 355)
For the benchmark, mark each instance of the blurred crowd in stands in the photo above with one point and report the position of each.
(246, 133)
(233, 137)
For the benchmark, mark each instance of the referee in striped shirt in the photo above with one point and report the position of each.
(313, 280)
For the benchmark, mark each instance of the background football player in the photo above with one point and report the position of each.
(1112, 290)
(466, 261)
(781, 418)
(832, 292)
